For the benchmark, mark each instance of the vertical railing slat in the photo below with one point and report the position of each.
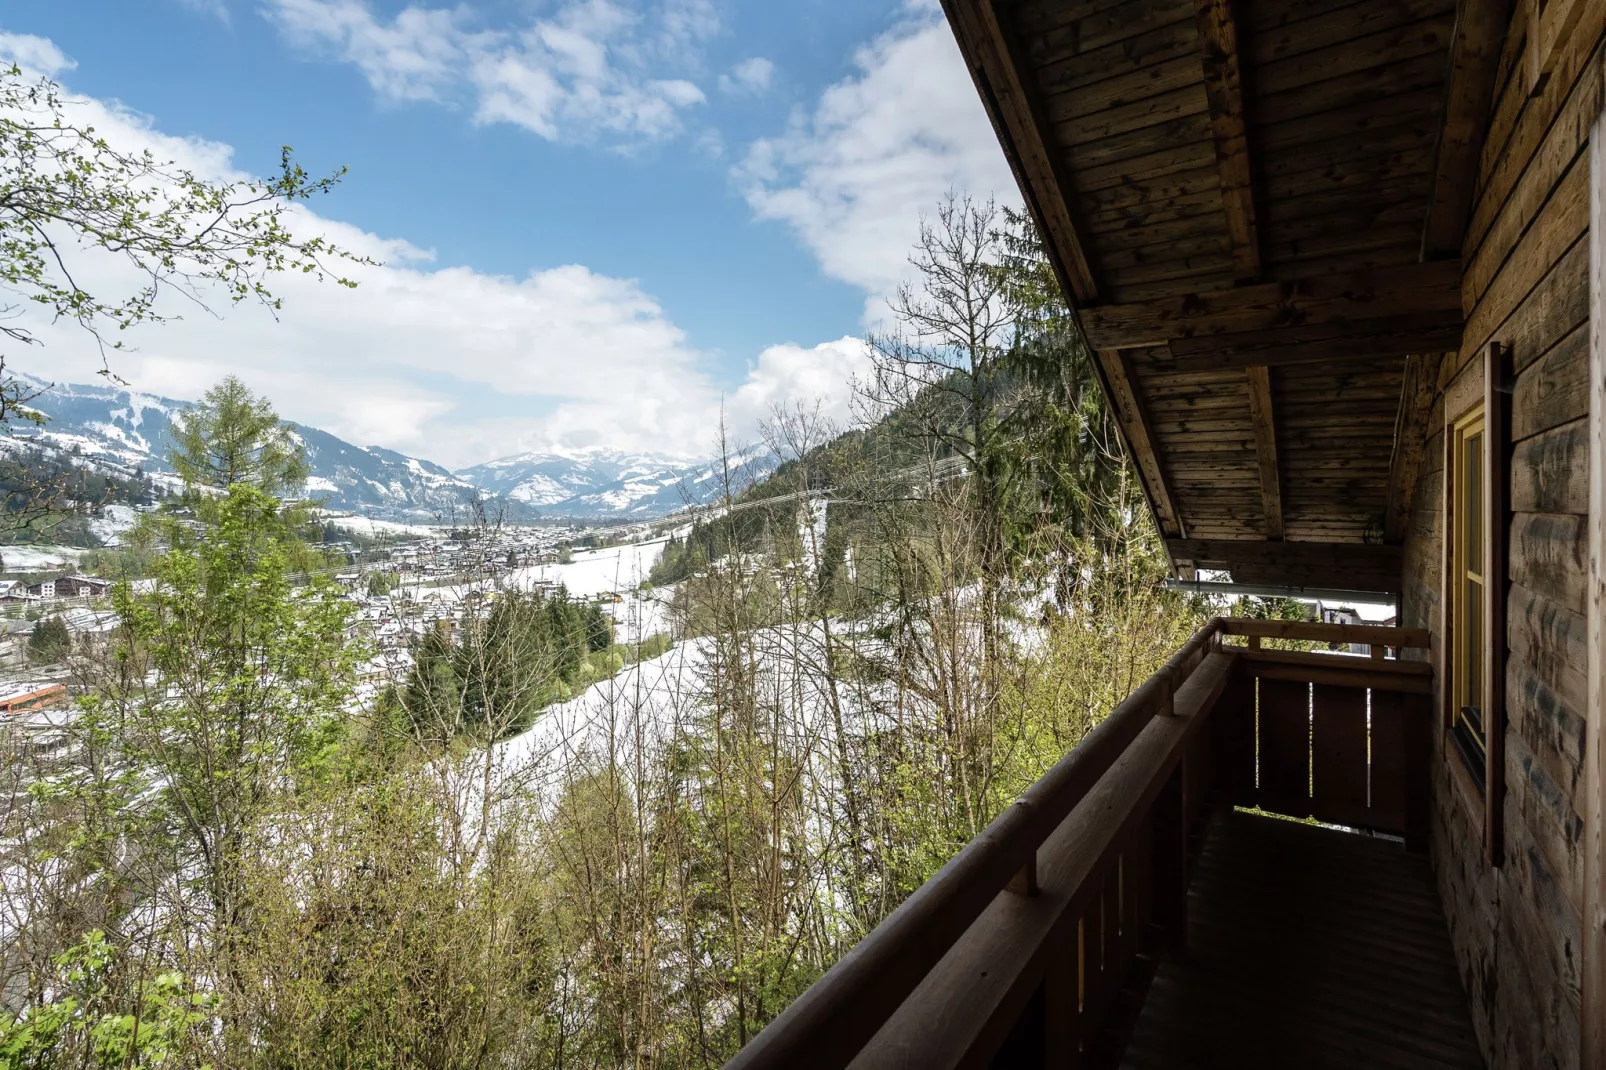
(1285, 747)
(1232, 741)
(1338, 756)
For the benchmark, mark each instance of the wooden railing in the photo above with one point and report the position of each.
(1343, 740)
(1035, 944)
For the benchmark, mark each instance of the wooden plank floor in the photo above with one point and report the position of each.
(1307, 948)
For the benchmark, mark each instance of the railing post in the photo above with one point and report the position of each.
(1024, 882)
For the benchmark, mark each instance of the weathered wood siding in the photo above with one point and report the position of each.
(1516, 929)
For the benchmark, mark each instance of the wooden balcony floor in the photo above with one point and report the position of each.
(1308, 948)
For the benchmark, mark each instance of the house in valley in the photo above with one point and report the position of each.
(1341, 265)
(82, 587)
(70, 587)
(35, 719)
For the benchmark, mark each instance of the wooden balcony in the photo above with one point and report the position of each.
(1139, 907)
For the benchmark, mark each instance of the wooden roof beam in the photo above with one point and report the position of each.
(1358, 566)
(1265, 424)
(996, 61)
(1392, 336)
(1223, 82)
(1133, 416)
(1410, 439)
(1411, 290)
(1480, 31)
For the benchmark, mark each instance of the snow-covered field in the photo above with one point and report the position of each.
(113, 522)
(38, 558)
(642, 706)
(617, 569)
(365, 525)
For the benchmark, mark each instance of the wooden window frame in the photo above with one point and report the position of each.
(1483, 791)
(1593, 970)
(1468, 566)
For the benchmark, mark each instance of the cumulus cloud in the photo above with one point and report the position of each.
(441, 361)
(826, 374)
(749, 76)
(851, 176)
(590, 68)
(37, 55)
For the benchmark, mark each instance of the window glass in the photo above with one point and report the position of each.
(1472, 647)
(1467, 672)
(1472, 515)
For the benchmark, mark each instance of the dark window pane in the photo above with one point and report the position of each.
(1472, 516)
(1472, 647)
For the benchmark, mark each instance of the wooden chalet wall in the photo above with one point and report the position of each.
(1517, 928)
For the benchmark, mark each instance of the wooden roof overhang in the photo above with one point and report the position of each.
(1256, 208)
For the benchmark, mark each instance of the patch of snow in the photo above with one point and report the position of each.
(615, 570)
(365, 525)
(113, 521)
(38, 558)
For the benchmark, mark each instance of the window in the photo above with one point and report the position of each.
(1470, 519)
(1472, 680)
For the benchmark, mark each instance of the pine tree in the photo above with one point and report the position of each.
(49, 641)
(232, 437)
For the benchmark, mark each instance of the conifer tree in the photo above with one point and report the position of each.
(232, 437)
(49, 641)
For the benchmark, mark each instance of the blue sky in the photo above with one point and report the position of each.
(599, 217)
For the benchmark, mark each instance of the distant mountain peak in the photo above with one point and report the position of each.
(113, 425)
(131, 429)
(600, 481)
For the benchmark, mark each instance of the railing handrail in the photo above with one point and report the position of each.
(1328, 632)
(836, 1016)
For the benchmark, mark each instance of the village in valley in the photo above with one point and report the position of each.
(405, 581)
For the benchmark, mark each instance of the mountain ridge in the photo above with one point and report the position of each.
(120, 427)
(606, 481)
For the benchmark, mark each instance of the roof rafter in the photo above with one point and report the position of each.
(1480, 30)
(1265, 423)
(1134, 421)
(1223, 82)
(1410, 439)
(995, 64)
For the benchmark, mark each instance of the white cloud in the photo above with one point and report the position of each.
(37, 55)
(443, 362)
(749, 76)
(826, 373)
(217, 9)
(591, 68)
(852, 177)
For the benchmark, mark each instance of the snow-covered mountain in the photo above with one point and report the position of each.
(606, 482)
(129, 429)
